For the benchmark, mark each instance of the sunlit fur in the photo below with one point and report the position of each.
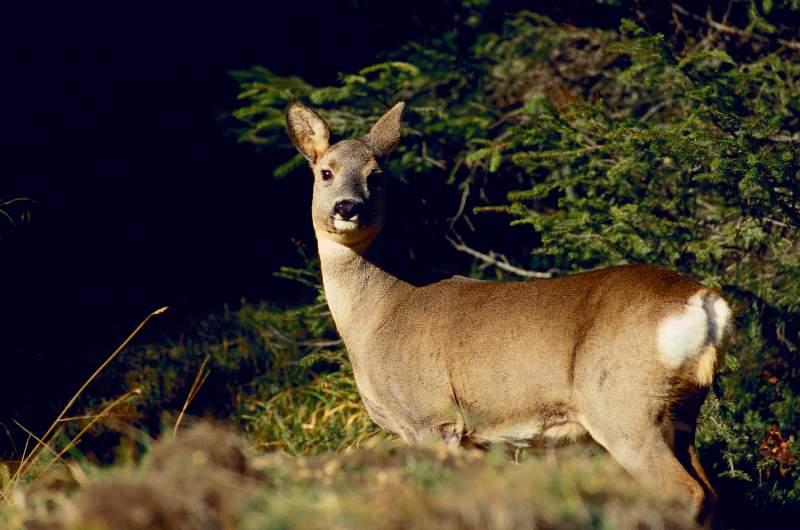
(625, 353)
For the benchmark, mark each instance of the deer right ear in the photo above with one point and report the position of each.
(385, 134)
(309, 132)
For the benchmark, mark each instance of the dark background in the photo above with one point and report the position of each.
(115, 122)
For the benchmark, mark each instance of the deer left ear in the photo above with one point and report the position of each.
(308, 131)
(385, 134)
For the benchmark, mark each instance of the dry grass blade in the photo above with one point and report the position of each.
(361, 439)
(72, 443)
(199, 379)
(10, 438)
(38, 440)
(76, 418)
(25, 448)
(6, 480)
(27, 459)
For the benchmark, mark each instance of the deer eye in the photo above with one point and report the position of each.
(327, 174)
(375, 181)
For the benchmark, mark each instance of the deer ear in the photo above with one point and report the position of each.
(385, 134)
(309, 132)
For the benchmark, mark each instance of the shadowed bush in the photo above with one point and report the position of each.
(607, 147)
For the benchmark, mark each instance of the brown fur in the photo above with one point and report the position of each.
(515, 362)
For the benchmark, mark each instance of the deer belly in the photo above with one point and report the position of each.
(528, 433)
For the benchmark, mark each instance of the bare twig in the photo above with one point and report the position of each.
(655, 108)
(274, 333)
(780, 332)
(438, 163)
(493, 258)
(774, 222)
(496, 260)
(507, 116)
(464, 197)
(785, 138)
(7, 216)
(320, 343)
(9, 202)
(724, 28)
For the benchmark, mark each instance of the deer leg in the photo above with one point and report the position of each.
(698, 469)
(686, 453)
(646, 454)
(682, 425)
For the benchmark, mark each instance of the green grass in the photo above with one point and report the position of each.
(280, 375)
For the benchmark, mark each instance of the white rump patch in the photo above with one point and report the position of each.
(682, 336)
(721, 315)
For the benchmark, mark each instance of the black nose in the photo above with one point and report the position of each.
(347, 209)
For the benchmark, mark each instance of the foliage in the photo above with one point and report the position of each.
(406, 487)
(600, 146)
(609, 147)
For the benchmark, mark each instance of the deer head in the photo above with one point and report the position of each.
(348, 200)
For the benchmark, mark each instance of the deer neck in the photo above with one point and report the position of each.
(358, 289)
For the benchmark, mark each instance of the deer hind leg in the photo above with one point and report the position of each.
(645, 452)
(686, 453)
(680, 427)
(700, 472)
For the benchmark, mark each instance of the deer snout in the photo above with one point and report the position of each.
(347, 209)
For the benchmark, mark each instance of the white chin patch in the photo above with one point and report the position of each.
(345, 225)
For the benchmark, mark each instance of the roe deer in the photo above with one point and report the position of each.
(624, 355)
